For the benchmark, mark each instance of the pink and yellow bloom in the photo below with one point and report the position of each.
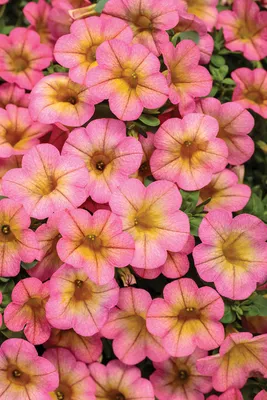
(245, 29)
(151, 216)
(120, 382)
(186, 78)
(230, 394)
(10, 93)
(6, 164)
(85, 348)
(225, 192)
(48, 237)
(56, 98)
(204, 9)
(27, 310)
(108, 153)
(127, 326)
(149, 20)
(233, 253)
(235, 123)
(38, 14)
(18, 132)
(17, 242)
(77, 50)
(78, 303)
(129, 77)
(95, 243)
(262, 395)
(251, 89)
(178, 378)
(188, 151)
(188, 317)
(23, 374)
(47, 182)
(22, 57)
(239, 357)
(74, 379)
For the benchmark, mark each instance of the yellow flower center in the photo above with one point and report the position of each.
(130, 76)
(60, 395)
(93, 242)
(115, 395)
(183, 375)
(63, 392)
(16, 376)
(143, 22)
(91, 54)
(188, 149)
(20, 64)
(5, 229)
(188, 314)
(82, 290)
(67, 95)
(256, 96)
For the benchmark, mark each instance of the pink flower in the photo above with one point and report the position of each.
(110, 156)
(235, 123)
(129, 76)
(6, 164)
(54, 183)
(188, 152)
(148, 148)
(230, 394)
(38, 14)
(127, 326)
(48, 237)
(240, 356)
(178, 378)
(17, 242)
(262, 395)
(1, 299)
(204, 9)
(27, 310)
(18, 132)
(251, 89)
(187, 318)
(57, 99)
(95, 243)
(233, 253)
(245, 29)
(151, 216)
(77, 51)
(74, 379)
(10, 93)
(77, 302)
(23, 374)
(225, 192)
(85, 348)
(186, 78)
(149, 20)
(3, 2)
(22, 57)
(121, 382)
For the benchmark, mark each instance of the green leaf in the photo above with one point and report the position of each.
(191, 35)
(255, 206)
(229, 315)
(223, 70)
(195, 221)
(149, 120)
(6, 289)
(190, 200)
(213, 91)
(229, 81)
(3, 197)
(218, 61)
(28, 266)
(147, 181)
(100, 6)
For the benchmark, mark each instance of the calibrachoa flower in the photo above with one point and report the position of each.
(10, 93)
(47, 236)
(230, 394)
(186, 79)
(38, 14)
(77, 51)
(94, 242)
(240, 356)
(56, 98)
(85, 348)
(251, 89)
(74, 379)
(17, 242)
(262, 395)
(149, 20)
(127, 326)
(204, 9)
(187, 318)
(27, 310)
(3, 2)
(6, 164)
(129, 76)
(22, 57)
(233, 253)
(245, 29)
(23, 374)
(235, 123)
(120, 382)
(77, 302)
(178, 378)
(188, 152)
(225, 192)
(148, 148)
(151, 215)
(18, 132)
(47, 181)
(110, 156)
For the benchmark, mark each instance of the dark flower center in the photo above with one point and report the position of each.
(100, 166)
(188, 314)
(5, 229)
(17, 376)
(20, 64)
(183, 375)
(255, 96)
(82, 291)
(115, 395)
